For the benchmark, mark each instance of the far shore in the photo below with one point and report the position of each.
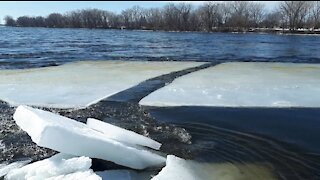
(220, 30)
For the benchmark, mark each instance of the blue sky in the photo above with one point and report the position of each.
(43, 8)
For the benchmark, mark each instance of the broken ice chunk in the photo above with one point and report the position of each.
(5, 168)
(121, 134)
(69, 136)
(56, 165)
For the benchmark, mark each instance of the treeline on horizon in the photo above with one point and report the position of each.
(209, 17)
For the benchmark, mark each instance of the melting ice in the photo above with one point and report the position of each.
(243, 84)
(79, 84)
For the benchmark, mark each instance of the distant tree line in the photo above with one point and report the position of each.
(211, 16)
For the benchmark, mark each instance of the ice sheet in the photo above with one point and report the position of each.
(79, 84)
(56, 165)
(180, 169)
(5, 168)
(69, 136)
(122, 135)
(243, 84)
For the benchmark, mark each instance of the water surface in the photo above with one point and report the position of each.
(284, 140)
(34, 47)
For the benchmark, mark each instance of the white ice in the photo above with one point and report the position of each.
(180, 169)
(5, 168)
(71, 137)
(80, 175)
(122, 135)
(123, 175)
(80, 84)
(56, 165)
(243, 84)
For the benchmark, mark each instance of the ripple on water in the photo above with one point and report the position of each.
(222, 146)
(217, 137)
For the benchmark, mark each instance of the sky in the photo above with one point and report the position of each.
(43, 8)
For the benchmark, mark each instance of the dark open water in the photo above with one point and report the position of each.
(285, 139)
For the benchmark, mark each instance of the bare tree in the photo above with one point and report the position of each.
(74, 19)
(39, 21)
(9, 21)
(209, 15)
(171, 17)
(256, 13)
(294, 13)
(272, 19)
(55, 20)
(24, 21)
(184, 10)
(240, 14)
(226, 12)
(154, 18)
(315, 14)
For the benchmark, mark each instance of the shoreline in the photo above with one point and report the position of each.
(276, 31)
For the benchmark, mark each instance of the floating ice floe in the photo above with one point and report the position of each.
(243, 84)
(68, 136)
(79, 84)
(122, 135)
(5, 168)
(180, 169)
(56, 165)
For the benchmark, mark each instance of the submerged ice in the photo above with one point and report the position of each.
(181, 169)
(68, 136)
(79, 84)
(243, 84)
